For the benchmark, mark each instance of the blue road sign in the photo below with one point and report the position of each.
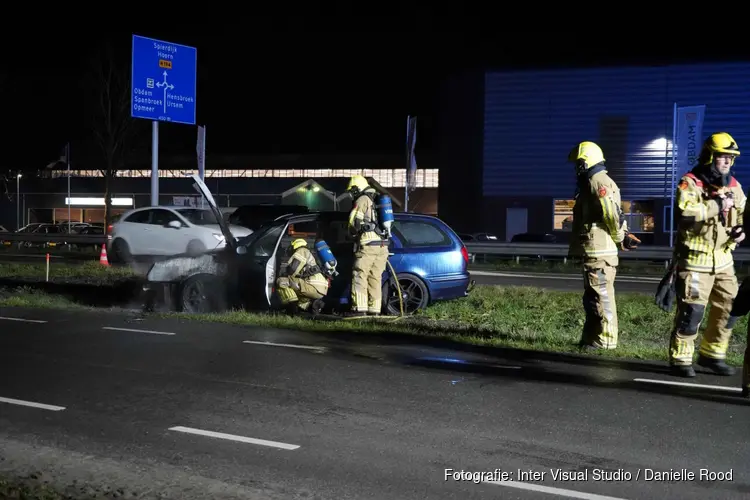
(163, 81)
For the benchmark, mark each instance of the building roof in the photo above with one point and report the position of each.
(377, 187)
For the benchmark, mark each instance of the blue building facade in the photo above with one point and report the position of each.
(528, 121)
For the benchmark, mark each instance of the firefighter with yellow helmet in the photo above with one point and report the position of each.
(370, 251)
(599, 232)
(304, 281)
(709, 208)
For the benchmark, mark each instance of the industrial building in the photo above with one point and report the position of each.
(297, 180)
(505, 137)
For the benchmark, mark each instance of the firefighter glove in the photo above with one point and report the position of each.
(737, 234)
(630, 242)
(725, 202)
(741, 303)
(666, 292)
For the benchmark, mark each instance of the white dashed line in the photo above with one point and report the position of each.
(551, 490)
(688, 384)
(41, 406)
(295, 346)
(136, 331)
(23, 320)
(232, 437)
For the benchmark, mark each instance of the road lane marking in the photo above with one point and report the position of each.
(688, 384)
(41, 406)
(23, 320)
(136, 330)
(232, 437)
(296, 346)
(551, 490)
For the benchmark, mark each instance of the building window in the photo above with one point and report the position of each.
(638, 214)
(563, 215)
(388, 178)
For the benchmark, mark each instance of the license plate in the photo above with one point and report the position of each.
(6, 243)
(53, 244)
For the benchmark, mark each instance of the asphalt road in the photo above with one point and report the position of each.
(135, 405)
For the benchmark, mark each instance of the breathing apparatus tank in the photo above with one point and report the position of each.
(384, 209)
(327, 258)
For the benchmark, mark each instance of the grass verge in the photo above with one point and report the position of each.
(29, 489)
(512, 317)
(86, 272)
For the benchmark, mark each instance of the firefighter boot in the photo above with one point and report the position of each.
(686, 371)
(292, 308)
(718, 366)
(317, 306)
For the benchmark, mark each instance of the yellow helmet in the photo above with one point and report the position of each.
(299, 242)
(358, 182)
(589, 152)
(719, 143)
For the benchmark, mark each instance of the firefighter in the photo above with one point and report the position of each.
(370, 249)
(599, 231)
(304, 282)
(709, 205)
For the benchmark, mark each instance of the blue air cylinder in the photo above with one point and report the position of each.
(385, 212)
(326, 256)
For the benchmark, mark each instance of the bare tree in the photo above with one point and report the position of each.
(111, 123)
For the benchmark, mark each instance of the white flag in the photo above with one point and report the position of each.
(689, 137)
(200, 148)
(411, 141)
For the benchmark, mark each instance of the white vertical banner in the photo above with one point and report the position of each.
(686, 146)
(200, 148)
(412, 165)
(411, 162)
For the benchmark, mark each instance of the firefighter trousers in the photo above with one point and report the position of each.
(299, 290)
(694, 292)
(367, 274)
(600, 329)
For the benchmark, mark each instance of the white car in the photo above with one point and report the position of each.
(160, 231)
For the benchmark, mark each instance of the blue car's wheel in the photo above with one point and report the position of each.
(414, 293)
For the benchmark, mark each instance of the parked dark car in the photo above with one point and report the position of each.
(252, 216)
(427, 255)
(534, 238)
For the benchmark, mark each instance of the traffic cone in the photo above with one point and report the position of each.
(103, 256)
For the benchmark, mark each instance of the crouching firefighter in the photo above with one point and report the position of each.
(709, 208)
(599, 232)
(369, 223)
(304, 283)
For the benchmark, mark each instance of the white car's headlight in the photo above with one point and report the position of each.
(218, 236)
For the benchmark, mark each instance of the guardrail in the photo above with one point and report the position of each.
(512, 250)
(557, 250)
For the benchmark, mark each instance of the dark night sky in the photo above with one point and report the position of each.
(277, 86)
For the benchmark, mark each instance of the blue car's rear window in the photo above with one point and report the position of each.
(421, 234)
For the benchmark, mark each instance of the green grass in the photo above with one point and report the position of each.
(515, 317)
(35, 487)
(87, 272)
(24, 489)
